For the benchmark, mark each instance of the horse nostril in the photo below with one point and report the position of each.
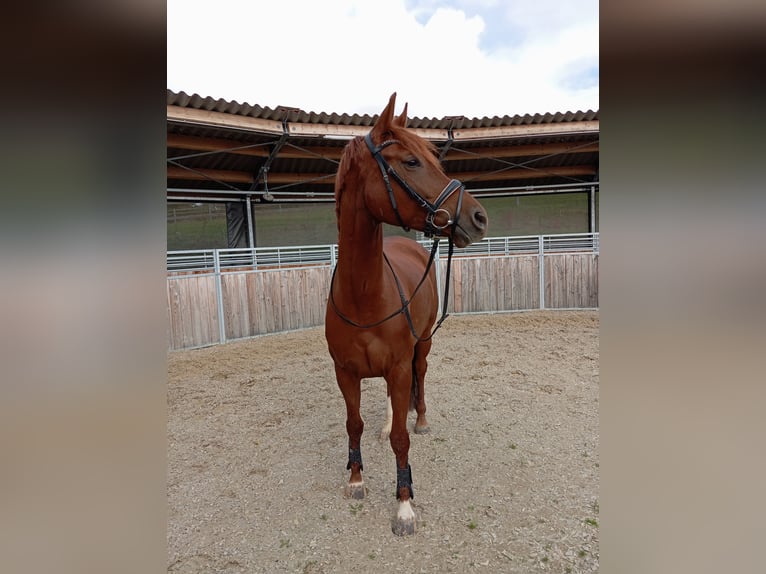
(480, 219)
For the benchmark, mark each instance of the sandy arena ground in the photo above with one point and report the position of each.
(506, 481)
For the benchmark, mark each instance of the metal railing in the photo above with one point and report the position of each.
(309, 255)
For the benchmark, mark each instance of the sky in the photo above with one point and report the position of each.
(472, 58)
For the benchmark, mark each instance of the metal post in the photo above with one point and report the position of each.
(250, 229)
(592, 209)
(219, 296)
(541, 266)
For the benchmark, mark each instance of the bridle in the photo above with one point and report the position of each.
(432, 229)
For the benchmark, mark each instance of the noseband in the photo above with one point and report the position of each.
(431, 227)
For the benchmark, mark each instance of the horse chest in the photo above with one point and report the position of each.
(366, 355)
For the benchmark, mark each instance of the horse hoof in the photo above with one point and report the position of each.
(422, 430)
(404, 521)
(356, 490)
(403, 527)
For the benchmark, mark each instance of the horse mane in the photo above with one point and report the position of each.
(342, 178)
(352, 155)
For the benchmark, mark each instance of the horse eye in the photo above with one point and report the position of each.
(413, 162)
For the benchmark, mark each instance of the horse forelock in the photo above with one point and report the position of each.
(416, 144)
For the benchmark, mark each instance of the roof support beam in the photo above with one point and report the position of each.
(523, 173)
(179, 173)
(175, 172)
(222, 120)
(457, 154)
(528, 130)
(214, 145)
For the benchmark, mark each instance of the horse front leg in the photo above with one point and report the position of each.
(419, 368)
(350, 386)
(404, 521)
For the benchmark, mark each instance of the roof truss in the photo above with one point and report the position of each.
(214, 153)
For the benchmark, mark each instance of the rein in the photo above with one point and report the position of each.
(431, 229)
(405, 302)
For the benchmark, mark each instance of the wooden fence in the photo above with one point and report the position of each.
(255, 302)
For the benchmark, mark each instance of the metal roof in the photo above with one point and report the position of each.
(224, 149)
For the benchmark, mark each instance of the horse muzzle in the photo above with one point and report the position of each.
(471, 223)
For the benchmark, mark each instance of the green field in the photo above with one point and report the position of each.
(203, 226)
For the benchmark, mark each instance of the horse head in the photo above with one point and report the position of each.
(409, 188)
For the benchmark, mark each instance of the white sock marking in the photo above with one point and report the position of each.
(405, 511)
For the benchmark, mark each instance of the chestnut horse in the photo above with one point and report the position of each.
(383, 299)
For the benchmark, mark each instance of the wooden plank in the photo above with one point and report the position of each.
(209, 332)
(175, 326)
(273, 302)
(236, 305)
(510, 275)
(196, 316)
(591, 126)
(593, 301)
(252, 303)
(286, 304)
(262, 301)
(220, 119)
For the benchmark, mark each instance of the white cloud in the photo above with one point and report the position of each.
(348, 56)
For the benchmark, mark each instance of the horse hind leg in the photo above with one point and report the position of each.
(350, 386)
(417, 393)
(386, 430)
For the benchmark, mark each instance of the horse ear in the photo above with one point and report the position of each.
(386, 118)
(402, 119)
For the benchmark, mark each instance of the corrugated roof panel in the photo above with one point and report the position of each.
(196, 101)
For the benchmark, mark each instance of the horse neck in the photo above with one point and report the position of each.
(360, 252)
